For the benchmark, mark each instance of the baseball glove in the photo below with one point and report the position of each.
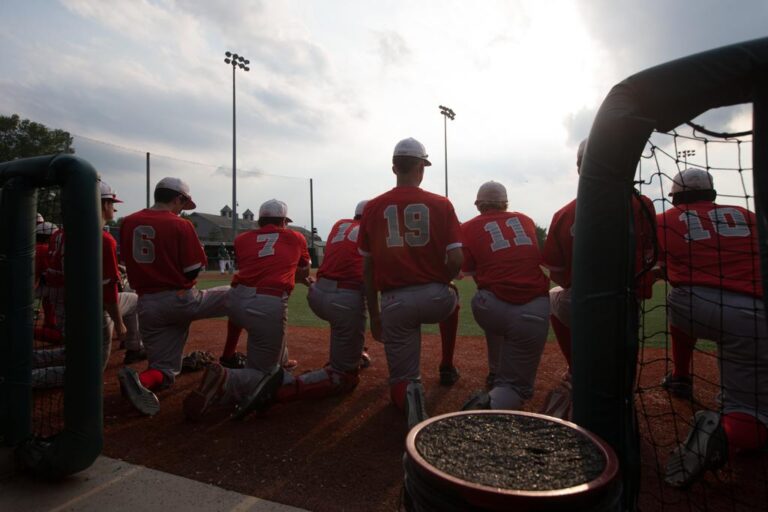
(196, 361)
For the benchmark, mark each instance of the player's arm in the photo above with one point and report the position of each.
(453, 260)
(372, 298)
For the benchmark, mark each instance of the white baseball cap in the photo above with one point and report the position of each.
(274, 208)
(412, 147)
(107, 192)
(179, 186)
(45, 228)
(360, 207)
(40, 218)
(491, 191)
(692, 179)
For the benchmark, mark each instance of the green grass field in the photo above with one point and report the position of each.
(653, 328)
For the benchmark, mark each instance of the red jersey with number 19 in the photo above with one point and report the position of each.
(342, 261)
(269, 256)
(407, 232)
(502, 252)
(706, 244)
(158, 247)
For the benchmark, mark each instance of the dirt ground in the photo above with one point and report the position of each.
(345, 453)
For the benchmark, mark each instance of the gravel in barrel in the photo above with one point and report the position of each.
(509, 451)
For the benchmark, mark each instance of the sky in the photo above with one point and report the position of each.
(334, 84)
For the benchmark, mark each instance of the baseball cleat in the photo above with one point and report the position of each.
(559, 401)
(197, 403)
(448, 375)
(681, 387)
(365, 358)
(262, 396)
(134, 356)
(479, 401)
(236, 361)
(415, 409)
(705, 448)
(144, 400)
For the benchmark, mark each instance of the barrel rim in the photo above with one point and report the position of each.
(608, 475)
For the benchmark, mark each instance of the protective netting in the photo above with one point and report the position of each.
(48, 345)
(703, 340)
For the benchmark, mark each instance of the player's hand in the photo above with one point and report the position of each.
(121, 330)
(376, 329)
(309, 281)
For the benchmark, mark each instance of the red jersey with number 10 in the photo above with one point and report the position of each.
(706, 244)
(268, 258)
(407, 232)
(342, 261)
(502, 252)
(159, 247)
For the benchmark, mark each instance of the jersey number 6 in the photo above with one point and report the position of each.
(416, 220)
(143, 247)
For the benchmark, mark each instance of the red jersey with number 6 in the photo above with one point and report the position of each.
(342, 261)
(706, 244)
(501, 251)
(269, 256)
(407, 232)
(159, 247)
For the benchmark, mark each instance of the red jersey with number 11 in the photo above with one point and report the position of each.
(159, 247)
(341, 260)
(502, 252)
(407, 232)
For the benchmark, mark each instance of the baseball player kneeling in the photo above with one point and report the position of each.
(163, 257)
(710, 254)
(512, 299)
(411, 242)
(271, 260)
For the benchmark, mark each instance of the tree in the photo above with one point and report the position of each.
(24, 138)
(541, 236)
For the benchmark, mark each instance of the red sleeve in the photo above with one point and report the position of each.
(363, 240)
(193, 255)
(454, 229)
(469, 265)
(305, 260)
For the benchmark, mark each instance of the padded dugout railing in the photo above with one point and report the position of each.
(80, 442)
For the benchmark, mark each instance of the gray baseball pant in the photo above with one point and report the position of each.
(403, 310)
(523, 328)
(737, 323)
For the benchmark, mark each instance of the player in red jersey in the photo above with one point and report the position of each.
(163, 257)
(271, 259)
(49, 331)
(411, 241)
(512, 300)
(711, 258)
(120, 308)
(558, 258)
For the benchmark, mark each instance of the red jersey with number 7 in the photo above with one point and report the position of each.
(159, 247)
(501, 251)
(407, 232)
(341, 260)
(706, 244)
(268, 258)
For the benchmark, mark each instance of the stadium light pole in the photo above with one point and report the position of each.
(447, 113)
(684, 154)
(237, 61)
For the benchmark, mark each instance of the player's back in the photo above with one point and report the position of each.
(268, 257)
(341, 259)
(502, 249)
(713, 245)
(159, 247)
(407, 232)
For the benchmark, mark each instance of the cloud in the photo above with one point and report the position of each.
(392, 48)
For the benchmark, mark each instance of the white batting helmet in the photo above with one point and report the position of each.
(491, 191)
(692, 179)
(45, 228)
(360, 207)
